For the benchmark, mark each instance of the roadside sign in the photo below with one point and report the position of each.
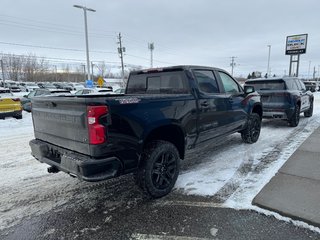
(100, 81)
(89, 83)
(296, 44)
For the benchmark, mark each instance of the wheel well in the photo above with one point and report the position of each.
(170, 133)
(257, 109)
(299, 103)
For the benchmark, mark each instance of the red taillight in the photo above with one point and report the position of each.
(97, 134)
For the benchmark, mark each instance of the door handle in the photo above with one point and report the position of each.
(205, 104)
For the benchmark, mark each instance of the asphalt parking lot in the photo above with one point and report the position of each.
(118, 210)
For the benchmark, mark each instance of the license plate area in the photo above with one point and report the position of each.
(54, 155)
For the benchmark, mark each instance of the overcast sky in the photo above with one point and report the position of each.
(197, 32)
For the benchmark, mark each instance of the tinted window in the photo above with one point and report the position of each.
(230, 85)
(31, 94)
(207, 83)
(297, 83)
(267, 85)
(4, 91)
(291, 84)
(303, 87)
(153, 84)
(163, 82)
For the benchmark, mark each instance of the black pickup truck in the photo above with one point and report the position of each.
(163, 113)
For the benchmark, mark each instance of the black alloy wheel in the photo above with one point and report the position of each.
(159, 168)
(164, 170)
(252, 131)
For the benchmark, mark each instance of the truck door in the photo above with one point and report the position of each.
(236, 115)
(211, 105)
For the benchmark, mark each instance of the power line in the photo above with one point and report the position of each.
(53, 48)
(143, 43)
(148, 59)
(45, 25)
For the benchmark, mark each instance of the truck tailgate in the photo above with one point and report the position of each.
(62, 122)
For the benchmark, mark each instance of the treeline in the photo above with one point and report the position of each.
(30, 68)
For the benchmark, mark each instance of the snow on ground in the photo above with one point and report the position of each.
(207, 178)
(234, 173)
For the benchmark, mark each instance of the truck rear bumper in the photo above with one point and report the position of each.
(75, 164)
(12, 113)
(280, 113)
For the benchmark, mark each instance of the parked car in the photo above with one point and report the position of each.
(76, 86)
(49, 86)
(165, 113)
(28, 87)
(283, 98)
(12, 85)
(26, 99)
(311, 86)
(120, 91)
(10, 105)
(93, 91)
(40, 85)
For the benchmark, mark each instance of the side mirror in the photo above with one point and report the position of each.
(248, 89)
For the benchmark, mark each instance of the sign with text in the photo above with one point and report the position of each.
(296, 44)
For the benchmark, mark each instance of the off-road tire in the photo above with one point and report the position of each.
(19, 116)
(309, 112)
(159, 168)
(295, 118)
(252, 131)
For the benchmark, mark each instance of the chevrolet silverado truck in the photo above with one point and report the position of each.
(148, 130)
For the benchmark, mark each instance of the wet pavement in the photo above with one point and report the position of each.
(117, 209)
(129, 214)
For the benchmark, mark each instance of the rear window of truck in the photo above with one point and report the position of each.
(267, 85)
(158, 83)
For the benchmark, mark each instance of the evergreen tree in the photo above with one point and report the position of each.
(253, 76)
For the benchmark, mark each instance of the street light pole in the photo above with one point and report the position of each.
(56, 73)
(2, 72)
(85, 9)
(268, 69)
(309, 70)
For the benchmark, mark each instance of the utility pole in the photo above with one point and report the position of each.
(151, 48)
(314, 73)
(232, 64)
(121, 50)
(56, 73)
(85, 9)
(92, 64)
(2, 68)
(84, 71)
(268, 69)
